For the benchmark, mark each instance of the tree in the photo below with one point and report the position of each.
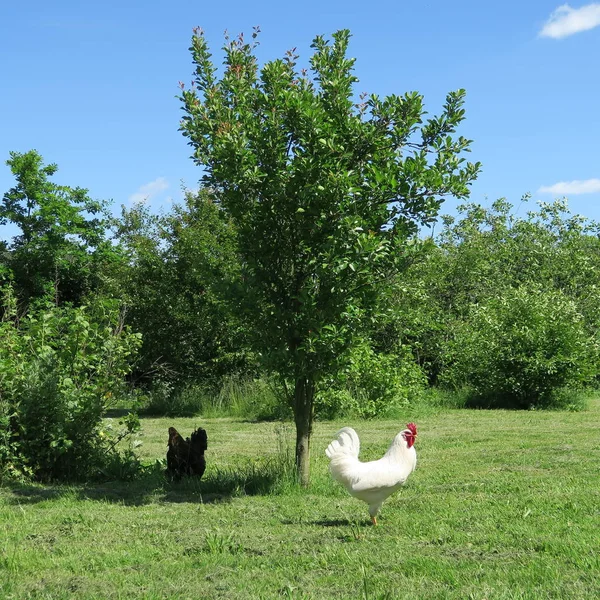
(175, 265)
(62, 239)
(480, 257)
(324, 193)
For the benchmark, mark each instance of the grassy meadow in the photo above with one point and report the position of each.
(502, 505)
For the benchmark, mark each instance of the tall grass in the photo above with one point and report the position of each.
(235, 396)
(271, 474)
(262, 400)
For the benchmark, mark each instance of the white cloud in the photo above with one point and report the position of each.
(565, 21)
(147, 191)
(572, 188)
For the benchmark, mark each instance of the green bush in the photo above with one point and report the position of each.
(523, 349)
(61, 368)
(373, 384)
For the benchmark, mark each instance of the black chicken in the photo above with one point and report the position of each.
(186, 457)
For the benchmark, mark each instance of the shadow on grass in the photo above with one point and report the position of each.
(155, 486)
(333, 522)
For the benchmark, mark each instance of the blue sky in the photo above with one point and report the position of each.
(92, 86)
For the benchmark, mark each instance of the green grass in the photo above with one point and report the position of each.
(502, 505)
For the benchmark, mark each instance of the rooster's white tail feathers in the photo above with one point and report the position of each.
(346, 443)
(343, 456)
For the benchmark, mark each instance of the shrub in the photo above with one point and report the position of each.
(60, 369)
(373, 385)
(521, 349)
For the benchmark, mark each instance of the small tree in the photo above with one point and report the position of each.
(324, 193)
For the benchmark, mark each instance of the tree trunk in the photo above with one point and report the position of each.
(304, 392)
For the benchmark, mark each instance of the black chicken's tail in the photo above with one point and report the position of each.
(199, 439)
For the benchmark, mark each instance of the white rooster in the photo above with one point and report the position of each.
(372, 482)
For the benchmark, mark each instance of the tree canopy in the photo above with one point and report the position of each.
(62, 232)
(325, 190)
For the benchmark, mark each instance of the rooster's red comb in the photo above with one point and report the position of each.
(412, 427)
